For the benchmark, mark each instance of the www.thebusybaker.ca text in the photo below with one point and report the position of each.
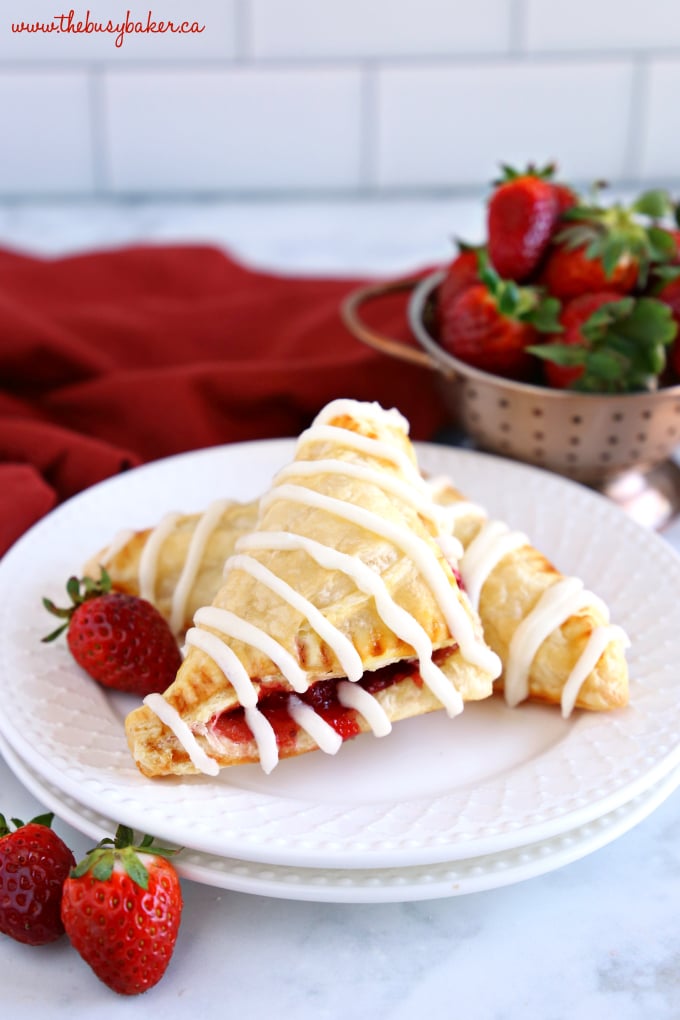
(69, 24)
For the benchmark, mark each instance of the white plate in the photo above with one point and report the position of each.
(372, 885)
(436, 790)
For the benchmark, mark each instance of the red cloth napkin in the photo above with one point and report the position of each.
(112, 359)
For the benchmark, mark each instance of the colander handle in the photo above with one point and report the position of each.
(350, 312)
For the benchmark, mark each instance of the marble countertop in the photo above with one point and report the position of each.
(597, 937)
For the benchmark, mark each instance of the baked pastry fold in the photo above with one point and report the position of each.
(338, 613)
(554, 637)
(178, 564)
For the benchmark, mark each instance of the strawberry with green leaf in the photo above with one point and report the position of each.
(608, 248)
(461, 273)
(666, 288)
(609, 344)
(522, 212)
(120, 640)
(491, 324)
(121, 908)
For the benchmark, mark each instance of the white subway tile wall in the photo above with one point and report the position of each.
(354, 98)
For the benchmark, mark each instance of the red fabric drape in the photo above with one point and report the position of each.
(115, 358)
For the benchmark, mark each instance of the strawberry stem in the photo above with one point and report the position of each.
(79, 590)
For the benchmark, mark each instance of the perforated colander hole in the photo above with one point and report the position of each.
(538, 435)
(605, 457)
(505, 426)
(617, 416)
(503, 402)
(613, 440)
(646, 415)
(641, 437)
(539, 453)
(576, 419)
(572, 458)
(574, 440)
(537, 412)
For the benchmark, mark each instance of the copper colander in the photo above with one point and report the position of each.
(590, 438)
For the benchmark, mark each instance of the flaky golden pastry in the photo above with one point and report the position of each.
(341, 578)
(188, 553)
(510, 592)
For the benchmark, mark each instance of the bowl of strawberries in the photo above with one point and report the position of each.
(555, 340)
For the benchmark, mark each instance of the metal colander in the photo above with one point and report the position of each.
(591, 438)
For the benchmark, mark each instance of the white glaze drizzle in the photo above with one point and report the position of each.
(173, 720)
(265, 738)
(555, 605)
(459, 624)
(362, 701)
(148, 562)
(415, 495)
(491, 543)
(231, 625)
(399, 620)
(370, 411)
(598, 641)
(346, 653)
(438, 485)
(119, 541)
(227, 661)
(206, 525)
(363, 444)
(328, 739)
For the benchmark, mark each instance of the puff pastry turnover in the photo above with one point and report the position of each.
(553, 636)
(580, 661)
(339, 613)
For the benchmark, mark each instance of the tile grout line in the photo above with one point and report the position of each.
(638, 111)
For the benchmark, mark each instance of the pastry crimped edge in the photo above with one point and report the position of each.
(158, 753)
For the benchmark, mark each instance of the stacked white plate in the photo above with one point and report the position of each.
(440, 807)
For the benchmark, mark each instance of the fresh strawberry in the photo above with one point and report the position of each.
(674, 251)
(570, 272)
(566, 197)
(610, 344)
(667, 290)
(462, 272)
(121, 908)
(491, 324)
(607, 248)
(34, 863)
(122, 641)
(521, 216)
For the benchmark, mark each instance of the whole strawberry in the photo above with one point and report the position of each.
(121, 908)
(522, 213)
(608, 248)
(462, 272)
(34, 863)
(121, 640)
(667, 290)
(609, 344)
(491, 324)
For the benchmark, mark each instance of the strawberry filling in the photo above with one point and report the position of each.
(323, 698)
